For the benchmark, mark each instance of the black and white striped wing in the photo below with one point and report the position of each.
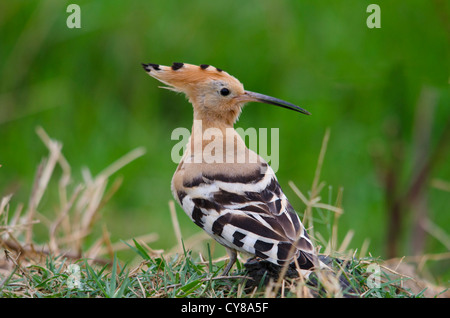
(248, 214)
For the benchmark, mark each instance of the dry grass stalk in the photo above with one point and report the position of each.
(176, 224)
(78, 209)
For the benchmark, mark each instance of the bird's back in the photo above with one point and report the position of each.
(241, 205)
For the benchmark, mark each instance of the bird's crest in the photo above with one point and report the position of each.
(182, 77)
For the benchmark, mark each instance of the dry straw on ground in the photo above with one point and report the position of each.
(78, 209)
(75, 215)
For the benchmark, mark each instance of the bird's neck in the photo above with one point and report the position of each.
(215, 118)
(204, 131)
(214, 141)
(210, 126)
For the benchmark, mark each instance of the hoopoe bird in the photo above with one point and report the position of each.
(228, 190)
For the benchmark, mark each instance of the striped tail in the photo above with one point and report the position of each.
(322, 281)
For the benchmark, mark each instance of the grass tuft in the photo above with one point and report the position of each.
(67, 266)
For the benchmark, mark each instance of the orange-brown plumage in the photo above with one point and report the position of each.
(238, 202)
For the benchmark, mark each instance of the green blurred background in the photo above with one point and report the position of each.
(86, 88)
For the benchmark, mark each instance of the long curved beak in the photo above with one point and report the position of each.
(257, 97)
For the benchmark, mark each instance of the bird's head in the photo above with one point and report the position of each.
(215, 95)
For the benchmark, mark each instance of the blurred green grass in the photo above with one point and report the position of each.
(86, 88)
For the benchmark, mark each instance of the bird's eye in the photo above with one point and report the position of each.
(224, 91)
